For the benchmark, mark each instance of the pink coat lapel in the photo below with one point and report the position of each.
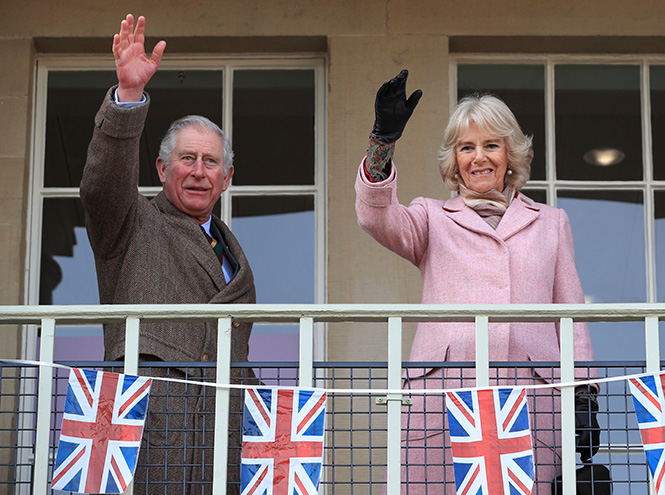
(521, 212)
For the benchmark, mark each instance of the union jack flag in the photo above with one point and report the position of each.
(491, 441)
(101, 431)
(649, 401)
(282, 449)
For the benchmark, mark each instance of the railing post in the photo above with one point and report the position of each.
(306, 363)
(482, 351)
(132, 325)
(220, 459)
(652, 341)
(44, 399)
(567, 406)
(132, 345)
(394, 426)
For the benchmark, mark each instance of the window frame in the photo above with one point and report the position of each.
(551, 184)
(227, 64)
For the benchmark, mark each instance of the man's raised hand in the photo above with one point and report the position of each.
(133, 68)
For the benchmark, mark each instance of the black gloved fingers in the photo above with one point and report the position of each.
(392, 109)
(393, 86)
(413, 100)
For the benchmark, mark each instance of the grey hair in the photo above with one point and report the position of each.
(491, 115)
(201, 123)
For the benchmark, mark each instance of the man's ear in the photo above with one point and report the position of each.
(227, 179)
(161, 169)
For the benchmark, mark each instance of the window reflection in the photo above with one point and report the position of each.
(277, 234)
(659, 223)
(63, 232)
(597, 107)
(68, 276)
(273, 127)
(608, 229)
(522, 88)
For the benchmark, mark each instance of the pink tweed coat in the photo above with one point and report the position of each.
(528, 259)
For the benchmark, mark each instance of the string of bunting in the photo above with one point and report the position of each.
(284, 432)
(366, 391)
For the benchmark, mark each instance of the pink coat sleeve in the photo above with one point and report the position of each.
(402, 230)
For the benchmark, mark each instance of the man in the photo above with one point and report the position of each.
(156, 251)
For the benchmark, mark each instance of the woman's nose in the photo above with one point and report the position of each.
(479, 154)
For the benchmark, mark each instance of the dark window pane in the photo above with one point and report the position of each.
(273, 127)
(73, 99)
(657, 73)
(539, 195)
(608, 228)
(75, 96)
(598, 108)
(522, 88)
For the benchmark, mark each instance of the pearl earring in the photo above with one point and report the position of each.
(510, 172)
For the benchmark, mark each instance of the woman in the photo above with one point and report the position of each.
(490, 244)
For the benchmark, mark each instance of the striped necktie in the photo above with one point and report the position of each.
(216, 246)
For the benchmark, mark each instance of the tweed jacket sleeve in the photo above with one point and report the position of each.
(109, 188)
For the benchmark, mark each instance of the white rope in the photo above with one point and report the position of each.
(369, 391)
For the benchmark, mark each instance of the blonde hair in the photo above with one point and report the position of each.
(493, 116)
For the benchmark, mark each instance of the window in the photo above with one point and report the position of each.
(595, 126)
(576, 109)
(273, 112)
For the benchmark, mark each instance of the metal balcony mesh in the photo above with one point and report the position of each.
(355, 450)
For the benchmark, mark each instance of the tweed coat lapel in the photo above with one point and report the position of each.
(193, 240)
(521, 212)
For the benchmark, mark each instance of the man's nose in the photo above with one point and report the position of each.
(198, 168)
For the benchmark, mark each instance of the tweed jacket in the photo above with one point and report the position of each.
(528, 259)
(149, 252)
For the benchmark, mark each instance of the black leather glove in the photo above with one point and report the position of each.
(392, 109)
(587, 430)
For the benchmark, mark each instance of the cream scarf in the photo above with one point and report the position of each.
(490, 205)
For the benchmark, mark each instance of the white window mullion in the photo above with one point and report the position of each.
(647, 160)
(320, 204)
(227, 125)
(550, 134)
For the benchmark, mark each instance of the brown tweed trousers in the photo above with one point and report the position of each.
(149, 252)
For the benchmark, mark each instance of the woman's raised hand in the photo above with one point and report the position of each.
(391, 108)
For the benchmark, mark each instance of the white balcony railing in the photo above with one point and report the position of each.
(307, 315)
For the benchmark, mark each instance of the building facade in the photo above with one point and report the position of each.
(293, 82)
